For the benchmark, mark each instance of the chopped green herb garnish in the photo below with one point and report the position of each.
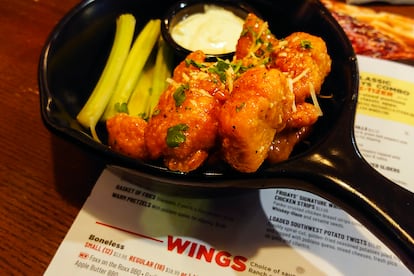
(199, 65)
(306, 44)
(269, 47)
(220, 69)
(238, 68)
(179, 94)
(176, 136)
(240, 107)
(259, 40)
(143, 116)
(266, 60)
(156, 112)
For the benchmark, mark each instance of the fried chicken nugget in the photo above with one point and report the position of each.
(258, 107)
(185, 126)
(256, 42)
(305, 59)
(126, 135)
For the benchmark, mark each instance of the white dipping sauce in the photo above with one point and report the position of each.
(216, 31)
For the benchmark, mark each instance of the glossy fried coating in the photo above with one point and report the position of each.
(256, 42)
(194, 120)
(126, 135)
(304, 58)
(189, 72)
(258, 107)
(254, 108)
(306, 114)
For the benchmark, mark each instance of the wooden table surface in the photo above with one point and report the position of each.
(44, 180)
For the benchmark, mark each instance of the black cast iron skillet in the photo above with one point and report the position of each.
(328, 163)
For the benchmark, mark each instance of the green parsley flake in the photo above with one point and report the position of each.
(179, 94)
(240, 107)
(176, 136)
(306, 44)
(199, 65)
(220, 69)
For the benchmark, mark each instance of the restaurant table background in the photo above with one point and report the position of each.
(44, 180)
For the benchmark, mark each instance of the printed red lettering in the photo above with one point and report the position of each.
(177, 243)
(204, 253)
(222, 258)
(239, 263)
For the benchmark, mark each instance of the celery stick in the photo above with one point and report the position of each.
(134, 64)
(97, 101)
(137, 104)
(162, 71)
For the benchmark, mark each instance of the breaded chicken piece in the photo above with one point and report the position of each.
(306, 114)
(258, 107)
(256, 42)
(126, 135)
(185, 126)
(254, 108)
(304, 58)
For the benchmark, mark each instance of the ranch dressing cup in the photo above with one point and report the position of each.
(212, 26)
(214, 31)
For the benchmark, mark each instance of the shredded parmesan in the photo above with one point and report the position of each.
(170, 81)
(290, 85)
(283, 43)
(301, 75)
(255, 46)
(200, 75)
(254, 49)
(229, 78)
(203, 92)
(315, 99)
(186, 77)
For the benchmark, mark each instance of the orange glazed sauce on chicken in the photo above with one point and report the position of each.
(251, 109)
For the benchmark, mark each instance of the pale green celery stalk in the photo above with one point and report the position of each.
(140, 51)
(99, 98)
(137, 104)
(162, 70)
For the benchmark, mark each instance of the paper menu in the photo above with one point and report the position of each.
(124, 229)
(384, 123)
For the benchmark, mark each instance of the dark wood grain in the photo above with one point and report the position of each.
(44, 180)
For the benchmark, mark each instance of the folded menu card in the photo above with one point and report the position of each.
(124, 229)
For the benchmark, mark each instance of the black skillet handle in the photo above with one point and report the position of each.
(338, 172)
(383, 207)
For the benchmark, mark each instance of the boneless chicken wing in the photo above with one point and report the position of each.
(305, 60)
(258, 107)
(302, 57)
(256, 42)
(126, 135)
(253, 108)
(185, 126)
